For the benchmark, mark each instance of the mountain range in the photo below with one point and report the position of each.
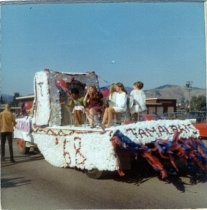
(180, 93)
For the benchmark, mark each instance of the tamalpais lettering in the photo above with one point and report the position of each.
(162, 130)
(132, 131)
(151, 131)
(190, 127)
(142, 133)
(159, 131)
(183, 129)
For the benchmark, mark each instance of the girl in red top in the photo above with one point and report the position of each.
(93, 102)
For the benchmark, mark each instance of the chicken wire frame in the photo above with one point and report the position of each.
(122, 1)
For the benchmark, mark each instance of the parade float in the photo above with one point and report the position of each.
(97, 151)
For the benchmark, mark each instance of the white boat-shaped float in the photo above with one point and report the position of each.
(97, 150)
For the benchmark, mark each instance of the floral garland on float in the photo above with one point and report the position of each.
(87, 149)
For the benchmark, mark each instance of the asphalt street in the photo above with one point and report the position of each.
(32, 183)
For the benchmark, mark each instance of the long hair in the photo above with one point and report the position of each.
(112, 89)
(95, 94)
(119, 84)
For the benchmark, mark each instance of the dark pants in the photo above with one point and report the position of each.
(9, 137)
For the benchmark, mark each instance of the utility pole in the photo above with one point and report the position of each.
(205, 18)
(0, 55)
(188, 86)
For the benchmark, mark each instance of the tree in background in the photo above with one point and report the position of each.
(14, 102)
(198, 103)
(2, 100)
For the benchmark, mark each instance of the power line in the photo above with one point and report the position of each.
(0, 54)
(105, 81)
(94, 1)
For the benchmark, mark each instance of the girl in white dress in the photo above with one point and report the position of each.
(112, 95)
(119, 105)
(137, 100)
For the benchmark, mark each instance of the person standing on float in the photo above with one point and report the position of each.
(7, 123)
(137, 100)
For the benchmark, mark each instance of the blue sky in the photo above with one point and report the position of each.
(157, 43)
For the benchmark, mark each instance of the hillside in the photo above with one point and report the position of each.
(174, 92)
(180, 93)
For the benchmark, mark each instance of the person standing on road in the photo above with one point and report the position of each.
(7, 123)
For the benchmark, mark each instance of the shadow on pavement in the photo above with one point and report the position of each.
(14, 182)
(141, 172)
(22, 158)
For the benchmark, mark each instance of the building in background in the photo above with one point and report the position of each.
(160, 106)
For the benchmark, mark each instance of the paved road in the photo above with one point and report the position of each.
(32, 183)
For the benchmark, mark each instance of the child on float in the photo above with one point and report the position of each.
(76, 103)
(112, 95)
(137, 100)
(110, 100)
(119, 105)
(93, 102)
